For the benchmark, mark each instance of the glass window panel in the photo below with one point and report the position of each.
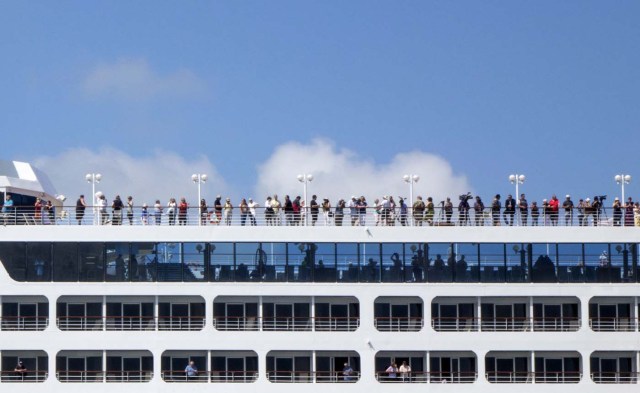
(13, 255)
(118, 259)
(169, 266)
(142, 262)
(416, 260)
(466, 267)
(571, 267)
(620, 262)
(39, 258)
(347, 262)
(442, 260)
(492, 262)
(222, 262)
(369, 262)
(194, 261)
(597, 262)
(325, 263)
(393, 263)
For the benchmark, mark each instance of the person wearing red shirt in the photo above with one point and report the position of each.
(182, 212)
(554, 205)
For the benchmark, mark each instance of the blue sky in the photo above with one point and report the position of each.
(256, 91)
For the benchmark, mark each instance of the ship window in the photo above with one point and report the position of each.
(91, 257)
(393, 262)
(370, 254)
(442, 260)
(347, 262)
(194, 262)
(222, 262)
(492, 262)
(39, 261)
(466, 266)
(13, 257)
(142, 263)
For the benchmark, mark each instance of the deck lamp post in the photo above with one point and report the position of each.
(517, 180)
(199, 178)
(93, 178)
(411, 179)
(622, 180)
(304, 179)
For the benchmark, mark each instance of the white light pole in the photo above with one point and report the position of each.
(411, 179)
(517, 180)
(304, 179)
(93, 178)
(199, 178)
(622, 180)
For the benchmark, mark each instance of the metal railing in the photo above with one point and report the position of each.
(28, 376)
(398, 324)
(461, 324)
(533, 377)
(626, 324)
(312, 376)
(24, 323)
(369, 216)
(324, 324)
(454, 324)
(425, 377)
(131, 323)
(614, 377)
(564, 324)
(509, 324)
(215, 376)
(104, 376)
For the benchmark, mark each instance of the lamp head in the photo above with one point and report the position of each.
(618, 179)
(406, 178)
(88, 177)
(204, 177)
(98, 177)
(521, 179)
(627, 179)
(416, 178)
(310, 177)
(300, 178)
(194, 178)
(512, 178)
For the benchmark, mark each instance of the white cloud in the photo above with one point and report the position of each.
(342, 173)
(159, 176)
(135, 80)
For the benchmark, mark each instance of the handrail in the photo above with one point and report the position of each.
(369, 216)
(84, 376)
(27, 376)
(425, 377)
(24, 323)
(162, 323)
(214, 376)
(613, 324)
(537, 377)
(312, 376)
(398, 324)
(615, 377)
(286, 323)
(456, 324)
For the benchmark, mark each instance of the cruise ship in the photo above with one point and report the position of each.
(221, 306)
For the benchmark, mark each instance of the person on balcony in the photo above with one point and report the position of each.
(191, 370)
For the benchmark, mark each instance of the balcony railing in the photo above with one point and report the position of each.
(537, 377)
(320, 324)
(28, 376)
(397, 324)
(24, 323)
(507, 324)
(464, 324)
(131, 323)
(221, 376)
(614, 377)
(564, 324)
(426, 377)
(26, 215)
(309, 377)
(104, 376)
(454, 324)
(627, 324)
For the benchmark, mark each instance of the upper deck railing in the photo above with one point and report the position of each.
(370, 216)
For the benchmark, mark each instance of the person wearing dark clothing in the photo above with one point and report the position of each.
(117, 206)
(80, 207)
(495, 210)
(617, 212)
(448, 210)
(524, 210)
(509, 210)
(478, 208)
(567, 205)
(314, 209)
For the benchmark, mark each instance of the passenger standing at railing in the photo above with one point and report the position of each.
(418, 211)
(392, 371)
(524, 210)
(20, 370)
(617, 212)
(478, 209)
(80, 207)
(275, 204)
(496, 206)
(567, 205)
(448, 210)
(535, 213)
(463, 212)
(353, 210)
(326, 211)
(228, 212)
(157, 212)
(268, 211)
(405, 371)
(554, 205)
(252, 211)
(288, 211)
(384, 210)
(217, 208)
(183, 207)
(244, 211)
(339, 215)
(509, 210)
(430, 211)
(171, 210)
(628, 213)
(130, 209)
(191, 371)
(204, 212)
(377, 211)
(636, 214)
(51, 212)
(581, 211)
(296, 210)
(144, 216)
(362, 211)
(314, 209)
(37, 211)
(588, 211)
(403, 212)
(102, 206)
(596, 207)
(116, 207)
(391, 217)
(347, 371)
(7, 209)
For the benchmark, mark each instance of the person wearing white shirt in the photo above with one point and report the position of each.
(252, 211)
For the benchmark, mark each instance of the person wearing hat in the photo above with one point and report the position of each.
(617, 212)
(228, 212)
(144, 216)
(567, 205)
(535, 213)
(252, 211)
(20, 370)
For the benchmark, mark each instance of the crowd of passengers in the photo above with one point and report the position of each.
(385, 211)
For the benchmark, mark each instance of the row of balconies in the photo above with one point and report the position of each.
(272, 313)
(97, 366)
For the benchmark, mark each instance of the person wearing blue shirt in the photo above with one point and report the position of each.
(191, 370)
(7, 208)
